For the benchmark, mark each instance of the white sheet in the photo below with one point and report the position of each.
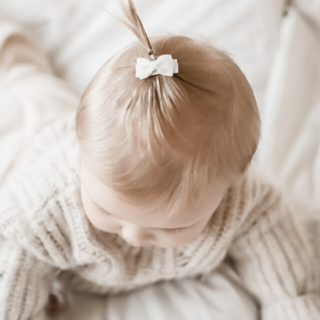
(281, 60)
(218, 296)
(80, 36)
(290, 149)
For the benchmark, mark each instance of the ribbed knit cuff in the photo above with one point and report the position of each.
(305, 307)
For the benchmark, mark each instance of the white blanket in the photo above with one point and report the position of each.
(279, 55)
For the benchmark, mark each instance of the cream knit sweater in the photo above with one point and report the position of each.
(44, 229)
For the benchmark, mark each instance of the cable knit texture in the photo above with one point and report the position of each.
(44, 230)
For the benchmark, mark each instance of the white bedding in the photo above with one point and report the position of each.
(279, 55)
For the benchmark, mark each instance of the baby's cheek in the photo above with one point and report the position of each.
(93, 218)
(101, 221)
(108, 224)
(111, 225)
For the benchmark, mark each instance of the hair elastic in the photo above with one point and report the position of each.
(145, 68)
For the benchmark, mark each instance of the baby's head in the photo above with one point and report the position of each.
(158, 154)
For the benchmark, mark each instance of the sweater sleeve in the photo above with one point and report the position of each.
(34, 234)
(24, 283)
(277, 261)
(31, 254)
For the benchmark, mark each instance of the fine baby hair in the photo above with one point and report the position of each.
(167, 137)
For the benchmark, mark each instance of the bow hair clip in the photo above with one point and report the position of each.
(163, 65)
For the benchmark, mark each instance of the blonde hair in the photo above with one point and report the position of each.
(168, 138)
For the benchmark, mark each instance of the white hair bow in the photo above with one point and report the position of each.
(164, 65)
